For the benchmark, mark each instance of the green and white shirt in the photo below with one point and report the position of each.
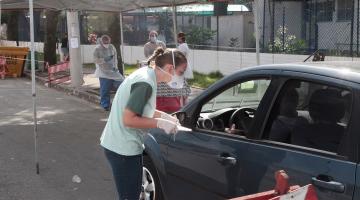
(138, 94)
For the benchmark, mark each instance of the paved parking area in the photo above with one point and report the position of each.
(68, 134)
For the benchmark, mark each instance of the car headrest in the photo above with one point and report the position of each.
(326, 105)
(289, 103)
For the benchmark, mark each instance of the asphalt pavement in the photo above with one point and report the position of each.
(72, 163)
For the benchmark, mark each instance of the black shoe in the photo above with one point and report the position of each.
(107, 109)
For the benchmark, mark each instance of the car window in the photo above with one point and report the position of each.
(310, 115)
(248, 93)
(234, 108)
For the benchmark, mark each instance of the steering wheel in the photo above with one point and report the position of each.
(242, 118)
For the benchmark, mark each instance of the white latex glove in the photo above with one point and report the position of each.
(169, 117)
(167, 125)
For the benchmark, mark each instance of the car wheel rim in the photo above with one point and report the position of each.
(148, 186)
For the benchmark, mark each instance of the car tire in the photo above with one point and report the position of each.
(151, 188)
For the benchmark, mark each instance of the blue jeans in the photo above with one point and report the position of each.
(127, 172)
(105, 87)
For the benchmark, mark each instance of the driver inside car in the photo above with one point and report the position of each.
(233, 130)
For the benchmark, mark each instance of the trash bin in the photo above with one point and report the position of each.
(15, 59)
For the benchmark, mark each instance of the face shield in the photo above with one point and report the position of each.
(177, 82)
(105, 41)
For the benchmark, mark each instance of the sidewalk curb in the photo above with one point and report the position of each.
(68, 90)
(88, 96)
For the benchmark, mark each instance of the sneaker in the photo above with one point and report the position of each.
(107, 109)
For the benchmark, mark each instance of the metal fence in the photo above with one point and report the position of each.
(305, 26)
(285, 26)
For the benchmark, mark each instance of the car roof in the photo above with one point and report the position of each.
(345, 70)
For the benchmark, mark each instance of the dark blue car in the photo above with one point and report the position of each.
(303, 119)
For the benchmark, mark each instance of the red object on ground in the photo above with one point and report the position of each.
(58, 73)
(282, 191)
(3, 67)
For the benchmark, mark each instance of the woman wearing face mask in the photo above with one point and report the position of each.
(173, 95)
(105, 58)
(133, 111)
(153, 44)
(184, 48)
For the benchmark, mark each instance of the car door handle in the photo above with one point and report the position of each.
(328, 184)
(226, 159)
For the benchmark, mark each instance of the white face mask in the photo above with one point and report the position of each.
(176, 82)
(106, 45)
(153, 38)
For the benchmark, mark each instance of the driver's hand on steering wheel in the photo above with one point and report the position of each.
(232, 130)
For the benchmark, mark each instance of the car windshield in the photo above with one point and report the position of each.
(246, 94)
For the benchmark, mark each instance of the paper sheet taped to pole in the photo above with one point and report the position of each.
(74, 43)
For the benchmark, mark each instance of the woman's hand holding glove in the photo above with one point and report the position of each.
(167, 125)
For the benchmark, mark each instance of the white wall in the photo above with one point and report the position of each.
(39, 46)
(234, 26)
(204, 61)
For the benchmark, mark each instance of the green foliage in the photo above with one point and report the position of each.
(130, 69)
(165, 24)
(200, 36)
(234, 42)
(286, 42)
(205, 80)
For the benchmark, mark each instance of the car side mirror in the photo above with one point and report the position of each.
(181, 116)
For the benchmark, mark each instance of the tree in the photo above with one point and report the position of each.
(12, 26)
(50, 39)
(286, 42)
(200, 36)
(234, 42)
(114, 33)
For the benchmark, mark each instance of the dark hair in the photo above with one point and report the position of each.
(181, 36)
(163, 57)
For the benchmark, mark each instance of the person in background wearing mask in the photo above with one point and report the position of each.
(161, 36)
(184, 48)
(153, 44)
(133, 112)
(173, 95)
(105, 58)
(65, 47)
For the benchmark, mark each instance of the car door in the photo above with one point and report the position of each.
(206, 163)
(333, 173)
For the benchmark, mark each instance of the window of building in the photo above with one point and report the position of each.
(344, 10)
(325, 11)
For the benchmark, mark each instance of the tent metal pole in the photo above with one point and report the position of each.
(256, 24)
(0, 12)
(33, 89)
(0, 20)
(122, 43)
(174, 24)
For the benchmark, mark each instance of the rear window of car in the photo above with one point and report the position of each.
(310, 115)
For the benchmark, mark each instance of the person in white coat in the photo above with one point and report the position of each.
(184, 48)
(105, 58)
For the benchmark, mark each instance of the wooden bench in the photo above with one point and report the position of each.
(58, 73)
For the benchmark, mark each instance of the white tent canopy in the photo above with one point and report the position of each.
(92, 5)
